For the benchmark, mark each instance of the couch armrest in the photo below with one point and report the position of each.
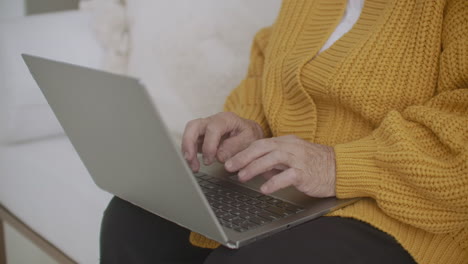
(64, 36)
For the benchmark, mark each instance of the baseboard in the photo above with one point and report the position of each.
(7, 217)
(2, 244)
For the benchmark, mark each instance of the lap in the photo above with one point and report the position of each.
(130, 234)
(324, 240)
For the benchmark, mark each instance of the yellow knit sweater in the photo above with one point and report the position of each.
(391, 97)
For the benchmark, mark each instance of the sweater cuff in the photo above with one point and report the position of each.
(357, 174)
(202, 241)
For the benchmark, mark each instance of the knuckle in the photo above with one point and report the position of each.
(296, 175)
(277, 155)
(228, 114)
(195, 123)
(213, 128)
(190, 124)
(291, 138)
(261, 143)
(258, 165)
(210, 128)
(289, 159)
(227, 117)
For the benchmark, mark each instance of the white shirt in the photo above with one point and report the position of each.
(350, 17)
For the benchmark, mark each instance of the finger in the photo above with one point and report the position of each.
(264, 164)
(216, 128)
(233, 145)
(195, 163)
(200, 143)
(193, 130)
(282, 180)
(253, 152)
(191, 134)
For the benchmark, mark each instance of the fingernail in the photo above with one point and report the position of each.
(264, 189)
(206, 160)
(228, 164)
(241, 174)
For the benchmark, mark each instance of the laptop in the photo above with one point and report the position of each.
(123, 142)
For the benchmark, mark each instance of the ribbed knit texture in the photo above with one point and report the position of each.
(391, 97)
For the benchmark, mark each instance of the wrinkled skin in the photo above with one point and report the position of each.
(239, 144)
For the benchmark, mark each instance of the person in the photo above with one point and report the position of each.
(380, 113)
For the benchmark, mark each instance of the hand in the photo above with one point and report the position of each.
(219, 136)
(286, 161)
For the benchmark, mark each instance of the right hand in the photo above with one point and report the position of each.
(219, 136)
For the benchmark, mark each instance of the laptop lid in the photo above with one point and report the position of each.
(121, 139)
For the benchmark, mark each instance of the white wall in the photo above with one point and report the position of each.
(12, 8)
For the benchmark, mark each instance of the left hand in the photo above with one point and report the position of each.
(285, 161)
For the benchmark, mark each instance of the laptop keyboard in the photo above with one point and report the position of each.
(240, 208)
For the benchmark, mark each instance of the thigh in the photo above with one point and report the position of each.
(130, 234)
(324, 240)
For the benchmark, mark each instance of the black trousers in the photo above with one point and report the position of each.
(130, 234)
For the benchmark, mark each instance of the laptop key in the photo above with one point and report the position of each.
(243, 198)
(262, 205)
(237, 204)
(223, 215)
(255, 210)
(205, 177)
(265, 198)
(267, 216)
(290, 207)
(236, 212)
(247, 216)
(277, 211)
(240, 229)
(259, 220)
(217, 205)
(229, 218)
(229, 225)
(253, 202)
(247, 208)
(199, 174)
(229, 208)
(250, 225)
(274, 201)
(237, 221)
(240, 189)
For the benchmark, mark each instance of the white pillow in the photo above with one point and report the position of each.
(191, 54)
(64, 36)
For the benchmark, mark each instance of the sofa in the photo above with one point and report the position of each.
(189, 54)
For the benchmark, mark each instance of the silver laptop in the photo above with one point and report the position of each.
(123, 142)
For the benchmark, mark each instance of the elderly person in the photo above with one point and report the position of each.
(380, 112)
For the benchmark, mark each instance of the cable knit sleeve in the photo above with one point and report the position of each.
(415, 164)
(245, 100)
